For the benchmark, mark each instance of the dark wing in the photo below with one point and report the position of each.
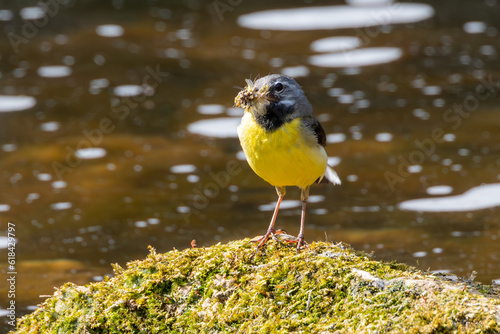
(316, 127)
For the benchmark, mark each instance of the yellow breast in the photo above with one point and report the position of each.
(288, 156)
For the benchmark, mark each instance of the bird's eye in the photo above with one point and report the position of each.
(279, 87)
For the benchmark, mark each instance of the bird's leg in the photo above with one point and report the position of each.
(270, 231)
(304, 195)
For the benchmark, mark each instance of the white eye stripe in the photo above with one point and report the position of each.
(287, 102)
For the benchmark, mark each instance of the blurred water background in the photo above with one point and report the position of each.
(118, 131)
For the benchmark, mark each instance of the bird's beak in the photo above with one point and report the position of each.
(270, 97)
(254, 99)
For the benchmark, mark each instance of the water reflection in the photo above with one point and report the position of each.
(55, 71)
(109, 30)
(224, 127)
(337, 17)
(50, 126)
(32, 13)
(477, 198)
(90, 153)
(123, 90)
(439, 190)
(356, 58)
(6, 15)
(475, 27)
(335, 44)
(210, 109)
(16, 103)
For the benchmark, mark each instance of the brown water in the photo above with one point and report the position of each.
(92, 172)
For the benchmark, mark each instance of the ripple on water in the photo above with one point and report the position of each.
(109, 30)
(240, 155)
(97, 85)
(50, 126)
(54, 71)
(16, 103)
(439, 190)
(295, 71)
(420, 254)
(141, 224)
(431, 90)
(193, 178)
(6, 15)
(61, 206)
(357, 57)
(59, 184)
(9, 147)
(335, 138)
(44, 176)
(383, 137)
(182, 169)
(335, 44)
(128, 90)
(414, 169)
(32, 13)
(210, 109)
(285, 204)
(91, 153)
(369, 2)
(4, 241)
(477, 198)
(335, 17)
(224, 127)
(475, 27)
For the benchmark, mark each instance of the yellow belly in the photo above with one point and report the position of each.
(288, 156)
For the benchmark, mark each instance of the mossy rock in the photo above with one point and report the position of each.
(326, 288)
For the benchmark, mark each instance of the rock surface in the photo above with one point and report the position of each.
(326, 288)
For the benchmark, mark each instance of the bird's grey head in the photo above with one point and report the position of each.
(274, 99)
(285, 91)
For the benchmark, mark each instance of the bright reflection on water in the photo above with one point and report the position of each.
(118, 131)
(477, 198)
(333, 44)
(216, 127)
(109, 30)
(16, 103)
(358, 57)
(336, 17)
(32, 13)
(54, 71)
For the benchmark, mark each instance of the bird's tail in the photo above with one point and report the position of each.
(331, 175)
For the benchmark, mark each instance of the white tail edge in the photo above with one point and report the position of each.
(332, 176)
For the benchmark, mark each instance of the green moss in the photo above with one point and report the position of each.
(324, 289)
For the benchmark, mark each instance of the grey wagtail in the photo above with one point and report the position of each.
(282, 141)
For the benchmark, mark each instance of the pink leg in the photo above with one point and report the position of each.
(270, 231)
(300, 237)
(304, 195)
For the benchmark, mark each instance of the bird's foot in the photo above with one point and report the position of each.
(271, 233)
(278, 235)
(299, 241)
